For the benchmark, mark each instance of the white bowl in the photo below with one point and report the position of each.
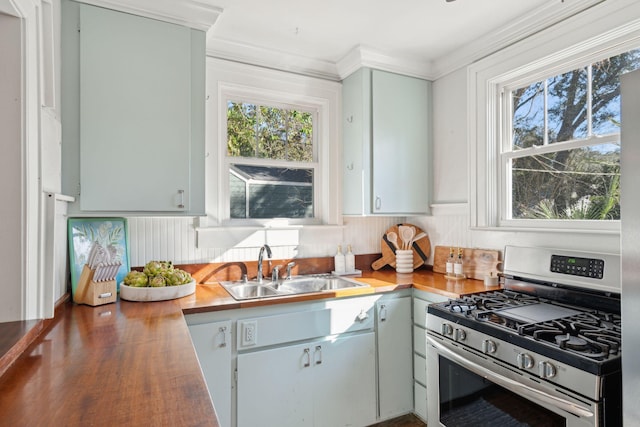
(133, 293)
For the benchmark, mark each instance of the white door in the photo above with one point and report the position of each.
(212, 342)
(395, 357)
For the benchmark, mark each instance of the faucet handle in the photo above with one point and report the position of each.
(289, 267)
(275, 273)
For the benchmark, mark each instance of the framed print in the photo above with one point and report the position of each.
(108, 232)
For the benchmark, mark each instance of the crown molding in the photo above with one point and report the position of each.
(195, 14)
(552, 13)
(269, 58)
(362, 56)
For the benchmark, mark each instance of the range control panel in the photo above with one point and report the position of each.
(576, 266)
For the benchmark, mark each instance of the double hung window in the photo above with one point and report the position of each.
(560, 151)
(271, 160)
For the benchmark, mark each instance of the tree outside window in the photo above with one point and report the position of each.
(563, 160)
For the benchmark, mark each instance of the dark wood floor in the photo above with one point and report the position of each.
(405, 421)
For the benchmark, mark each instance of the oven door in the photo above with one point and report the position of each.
(467, 388)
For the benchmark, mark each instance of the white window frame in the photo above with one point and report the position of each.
(227, 80)
(585, 39)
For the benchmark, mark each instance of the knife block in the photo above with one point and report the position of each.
(94, 293)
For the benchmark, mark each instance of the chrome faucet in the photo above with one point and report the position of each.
(289, 267)
(260, 257)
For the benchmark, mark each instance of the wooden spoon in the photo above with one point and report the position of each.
(406, 234)
(392, 236)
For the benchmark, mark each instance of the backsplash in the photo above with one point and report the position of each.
(174, 238)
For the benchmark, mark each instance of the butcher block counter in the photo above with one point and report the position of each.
(133, 363)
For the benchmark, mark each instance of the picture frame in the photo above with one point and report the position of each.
(84, 232)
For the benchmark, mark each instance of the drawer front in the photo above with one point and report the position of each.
(420, 312)
(420, 340)
(420, 369)
(356, 314)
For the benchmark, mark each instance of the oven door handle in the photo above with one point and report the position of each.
(512, 385)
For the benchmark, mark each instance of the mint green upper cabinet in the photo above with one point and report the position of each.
(140, 113)
(387, 138)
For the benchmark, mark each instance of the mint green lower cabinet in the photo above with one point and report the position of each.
(212, 342)
(395, 374)
(328, 382)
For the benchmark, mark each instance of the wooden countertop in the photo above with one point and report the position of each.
(133, 363)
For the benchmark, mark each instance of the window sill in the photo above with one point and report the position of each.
(549, 229)
(256, 236)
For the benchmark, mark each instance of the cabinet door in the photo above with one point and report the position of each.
(275, 387)
(356, 136)
(395, 374)
(212, 342)
(344, 381)
(135, 112)
(400, 144)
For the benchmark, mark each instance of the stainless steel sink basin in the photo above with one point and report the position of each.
(251, 289)
(318, 284)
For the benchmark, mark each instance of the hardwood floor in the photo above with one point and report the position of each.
(404, 421)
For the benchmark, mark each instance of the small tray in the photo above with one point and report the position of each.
(148, 293)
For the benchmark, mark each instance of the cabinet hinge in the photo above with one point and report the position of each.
(235, 376)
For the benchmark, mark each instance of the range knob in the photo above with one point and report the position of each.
(489, 346)
(459, 335)
(547, 370)
(447, 329)
(524, 361)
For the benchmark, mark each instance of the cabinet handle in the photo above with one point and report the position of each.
(318, 351)
(223, 330)
(308, 357)
(383, 313)
(378, 203)
(181, 204)
(362, 316)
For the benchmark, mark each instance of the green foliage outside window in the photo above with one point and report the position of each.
(580, 182)
(267, 132)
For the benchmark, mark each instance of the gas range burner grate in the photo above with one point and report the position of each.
(591, 334)
(489, 301)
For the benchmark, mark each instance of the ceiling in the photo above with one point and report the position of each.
(325, 37)
(332, 38)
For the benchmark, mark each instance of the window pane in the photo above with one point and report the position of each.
(528, 116)
(300, 136)
(238, 196)
(567, 106)
(241, 129)
(582, 183)
(272, 134)
(605, 98)
(273, 192)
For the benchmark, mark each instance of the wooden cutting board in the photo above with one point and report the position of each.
(477, 263)
(421, 249)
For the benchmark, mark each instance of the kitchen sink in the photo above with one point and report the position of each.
(251, 289)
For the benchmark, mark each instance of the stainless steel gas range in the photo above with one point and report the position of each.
(544, 351)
